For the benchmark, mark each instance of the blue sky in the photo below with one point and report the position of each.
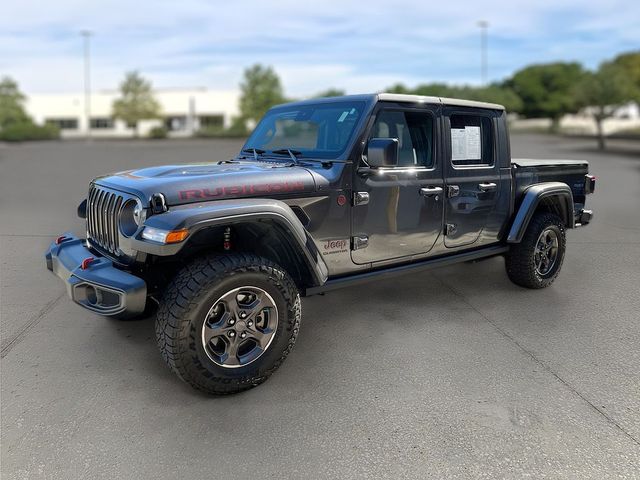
(357, 46)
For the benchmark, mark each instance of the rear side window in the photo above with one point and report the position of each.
(471, 140)
(414, 131)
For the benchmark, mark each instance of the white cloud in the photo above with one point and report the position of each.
(359, 46)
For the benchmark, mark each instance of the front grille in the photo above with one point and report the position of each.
(103, 209)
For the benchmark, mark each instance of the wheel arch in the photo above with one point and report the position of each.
(267, 237)
(265, 227)
(553, 197)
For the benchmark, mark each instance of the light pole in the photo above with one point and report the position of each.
(86, 35)
(484, 61)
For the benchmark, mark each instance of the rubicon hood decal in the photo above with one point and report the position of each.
(182, 184)
(242, 190)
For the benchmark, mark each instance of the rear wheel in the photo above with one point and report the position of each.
(226, 323)
(536, 261)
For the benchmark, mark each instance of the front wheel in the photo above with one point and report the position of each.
(536, 261)
(226, 323)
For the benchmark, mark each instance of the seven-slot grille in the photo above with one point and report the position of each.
(103, 209)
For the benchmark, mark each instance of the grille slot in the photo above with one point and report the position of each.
(103, 208)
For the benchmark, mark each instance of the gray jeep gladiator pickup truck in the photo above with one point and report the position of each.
(324, 194)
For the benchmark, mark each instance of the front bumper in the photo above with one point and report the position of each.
(99, 286)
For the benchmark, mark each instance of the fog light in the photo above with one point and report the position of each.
(91, 294)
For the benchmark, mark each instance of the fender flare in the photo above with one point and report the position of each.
(557, 191)
(198, 216)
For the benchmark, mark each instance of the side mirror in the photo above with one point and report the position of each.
(382, 152)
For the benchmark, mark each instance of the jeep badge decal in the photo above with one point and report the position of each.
(334, 246)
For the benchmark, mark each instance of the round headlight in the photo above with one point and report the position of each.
(139, 214)
(131, 217)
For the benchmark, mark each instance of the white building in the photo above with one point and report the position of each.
(183, 111)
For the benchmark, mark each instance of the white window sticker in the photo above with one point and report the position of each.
(458, 144)
(466, 143)
(473, 143)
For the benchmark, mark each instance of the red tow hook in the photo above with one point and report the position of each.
(61, 239)
(86, 262)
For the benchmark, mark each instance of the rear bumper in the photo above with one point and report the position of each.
(100, 286)
(584, 217)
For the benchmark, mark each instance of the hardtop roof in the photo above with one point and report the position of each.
(402, 98)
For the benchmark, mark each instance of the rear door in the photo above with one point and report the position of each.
(472, 174)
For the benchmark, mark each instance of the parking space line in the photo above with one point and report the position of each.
(29, 325)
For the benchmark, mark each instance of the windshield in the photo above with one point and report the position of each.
(321, 130)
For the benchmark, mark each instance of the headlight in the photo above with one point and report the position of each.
(132, 215)
(139, 214)
(164, 236)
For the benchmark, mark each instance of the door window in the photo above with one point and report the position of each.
(471, 140)
(414, 132)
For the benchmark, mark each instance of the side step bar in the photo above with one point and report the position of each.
(384, 273)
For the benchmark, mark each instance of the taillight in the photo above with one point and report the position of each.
(589, 183)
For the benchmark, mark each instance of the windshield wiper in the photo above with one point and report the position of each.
(255, 151)
(287, 151)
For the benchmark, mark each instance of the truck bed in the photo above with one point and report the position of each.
(539, 162)
(527, 171)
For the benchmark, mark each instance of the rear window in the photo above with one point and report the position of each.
(471, 140)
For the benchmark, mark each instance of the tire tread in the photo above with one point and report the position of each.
(174, 333)
(519, 260)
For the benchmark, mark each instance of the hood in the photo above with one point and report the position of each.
(182, 184)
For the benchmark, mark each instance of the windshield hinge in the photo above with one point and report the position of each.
(158, 203)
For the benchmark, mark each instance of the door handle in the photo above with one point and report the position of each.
(430, 191)
(487, 187)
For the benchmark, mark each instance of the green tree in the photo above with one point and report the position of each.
(137, 101)
(330, 92)
(15, 124)
(11, 104)
(629, 63)
(259, 91)
(602, 92)
(435, 90)
(499, 94)
(398, 88)
(547, 90)
(494, 93)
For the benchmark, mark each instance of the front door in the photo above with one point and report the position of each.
(398, 210)
(472, 175)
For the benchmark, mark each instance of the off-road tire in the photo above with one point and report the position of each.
(183, 310)
(521, 261)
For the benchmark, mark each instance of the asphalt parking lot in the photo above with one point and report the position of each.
(452, 373)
